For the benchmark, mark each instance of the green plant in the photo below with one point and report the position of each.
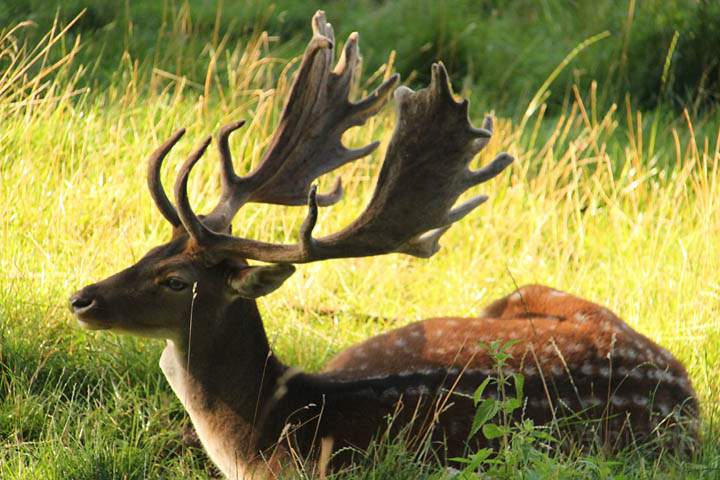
(500, 421)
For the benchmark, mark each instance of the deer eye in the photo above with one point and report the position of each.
(174, 283)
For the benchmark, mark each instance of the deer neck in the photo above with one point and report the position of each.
(223, 372)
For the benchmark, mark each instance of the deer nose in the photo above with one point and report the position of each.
(81, 302)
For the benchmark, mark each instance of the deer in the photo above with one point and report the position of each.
(255, 415)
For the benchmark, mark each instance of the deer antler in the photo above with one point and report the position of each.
(307, 143)
(154, 183)
(424, 173)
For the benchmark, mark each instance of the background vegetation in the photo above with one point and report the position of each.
(656, 51)
(610, 108)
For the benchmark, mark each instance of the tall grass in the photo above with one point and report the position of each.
(605, 203)
(502, 47)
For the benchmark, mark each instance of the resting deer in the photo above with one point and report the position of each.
(250, 410)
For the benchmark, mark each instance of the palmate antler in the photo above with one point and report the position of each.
(307, 142)
(424, 172)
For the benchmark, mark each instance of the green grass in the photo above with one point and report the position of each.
(613, 204)
(654, 50)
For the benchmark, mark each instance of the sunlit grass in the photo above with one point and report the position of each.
(627, 216)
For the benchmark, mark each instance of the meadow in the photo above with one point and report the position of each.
(608, 199)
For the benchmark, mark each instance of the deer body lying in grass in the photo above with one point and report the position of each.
(255, 415)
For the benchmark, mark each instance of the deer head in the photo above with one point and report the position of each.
(424, 172)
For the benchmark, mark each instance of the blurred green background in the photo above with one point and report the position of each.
(656, 53)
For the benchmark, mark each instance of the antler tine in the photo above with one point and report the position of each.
(227, 172)
(424, 173)
(308, 141)
(235, 189)
(194, 226)
(154, 180)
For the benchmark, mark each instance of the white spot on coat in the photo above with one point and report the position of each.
(580, 317)
(411, 391)
(389, 393)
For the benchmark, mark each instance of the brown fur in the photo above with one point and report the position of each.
(254, 415)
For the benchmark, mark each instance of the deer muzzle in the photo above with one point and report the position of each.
(85, 305)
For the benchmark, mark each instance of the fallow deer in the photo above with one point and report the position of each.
(250, 410)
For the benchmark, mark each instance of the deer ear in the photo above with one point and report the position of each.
(256, 281)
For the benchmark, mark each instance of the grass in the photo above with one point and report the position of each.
(504, 48)
(614, 204)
